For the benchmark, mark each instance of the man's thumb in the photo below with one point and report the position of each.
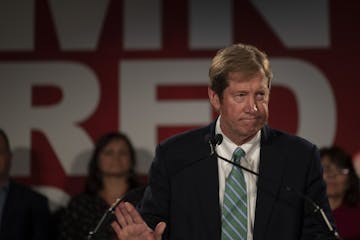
(159, 230)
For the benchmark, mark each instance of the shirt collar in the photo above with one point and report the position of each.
(228, 146)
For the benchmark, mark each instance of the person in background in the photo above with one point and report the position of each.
(111, 174)
(194, 194)
(342, 188)
(24, 213)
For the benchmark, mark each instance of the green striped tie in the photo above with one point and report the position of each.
(234, 212)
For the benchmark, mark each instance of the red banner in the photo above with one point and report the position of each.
(73, 70)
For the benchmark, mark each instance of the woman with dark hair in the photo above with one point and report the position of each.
(111, 174)
(342, 190)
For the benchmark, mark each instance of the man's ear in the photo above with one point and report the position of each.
(214, 99)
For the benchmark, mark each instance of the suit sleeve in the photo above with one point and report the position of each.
(154, 206)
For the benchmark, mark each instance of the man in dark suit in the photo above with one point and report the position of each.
(24, 213)
(187, 197)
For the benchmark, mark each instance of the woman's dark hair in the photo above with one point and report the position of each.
(342, 159)
(6, 140)
(94, 181)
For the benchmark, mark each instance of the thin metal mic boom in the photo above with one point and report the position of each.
(132, 196)
(217, 139)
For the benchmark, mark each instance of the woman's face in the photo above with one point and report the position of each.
(336, 178)
(114, 159)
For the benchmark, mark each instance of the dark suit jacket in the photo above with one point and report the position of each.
(25, 215)
(183, 188)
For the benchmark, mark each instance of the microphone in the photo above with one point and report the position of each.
(217, 140)
(133, 196)
(213, 141)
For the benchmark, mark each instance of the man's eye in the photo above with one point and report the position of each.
(242, 94)
(260, 96)
(239, 97)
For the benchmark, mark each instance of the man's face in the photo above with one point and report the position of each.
(5, 157)
(244, 107)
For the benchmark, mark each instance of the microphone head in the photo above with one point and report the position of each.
(214, 140)
(217, 140)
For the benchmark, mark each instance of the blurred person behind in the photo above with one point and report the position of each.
(111, 174)
(24, 213)
(342, 190)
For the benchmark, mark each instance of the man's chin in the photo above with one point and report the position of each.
(251, 130)
(248, 133)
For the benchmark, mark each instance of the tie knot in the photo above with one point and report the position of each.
(238, 154)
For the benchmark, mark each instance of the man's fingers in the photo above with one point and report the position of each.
(125, 213)
(133, 231)
(120, 216)
(130, 225)
(159, 230)
(134, 214)
(116, 228)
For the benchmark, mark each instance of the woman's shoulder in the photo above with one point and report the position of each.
(345, 209)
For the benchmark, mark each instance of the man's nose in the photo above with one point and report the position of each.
(251, 104)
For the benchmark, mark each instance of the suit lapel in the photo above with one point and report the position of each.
(210, 199)
(203, 170)
(269, 182)
(212, 191)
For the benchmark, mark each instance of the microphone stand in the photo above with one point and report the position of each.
(334, 235)
(104, 219)
(133, 196)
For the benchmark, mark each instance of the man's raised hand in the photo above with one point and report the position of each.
(131, 226)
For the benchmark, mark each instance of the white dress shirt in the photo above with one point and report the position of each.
(250, 161)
